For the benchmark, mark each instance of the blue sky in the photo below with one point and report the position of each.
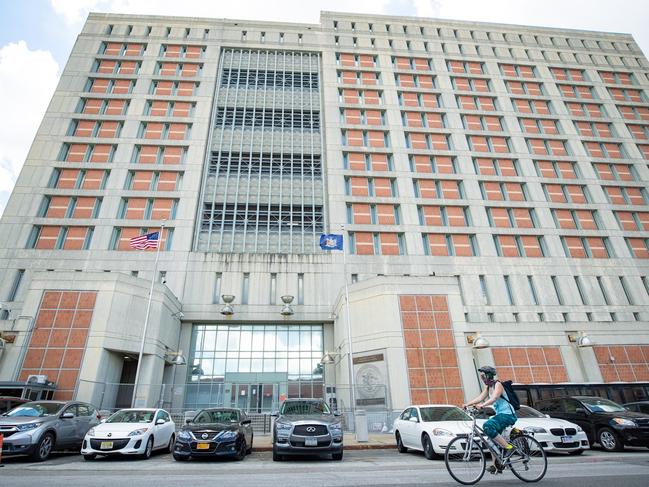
(36, 37)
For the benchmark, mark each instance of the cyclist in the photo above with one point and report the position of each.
(505, 416)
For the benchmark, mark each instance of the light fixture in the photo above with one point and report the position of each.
(227, 310)
(287, 299)
(328, 358)
(581, 340)
(180, 315)
(477, 341)
(176, 358)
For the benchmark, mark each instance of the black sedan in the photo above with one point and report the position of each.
(604, 421)
(215, 432)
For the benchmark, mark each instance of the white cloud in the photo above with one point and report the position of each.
(73, 11)
(27, 82)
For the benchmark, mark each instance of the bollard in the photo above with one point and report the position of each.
(360, 420)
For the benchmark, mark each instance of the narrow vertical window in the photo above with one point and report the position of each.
(483, 289)
(535, 298)
(245, 288)
(557, 290)
(216, 295)
(510, 295)
(272, 296)
(300, 289)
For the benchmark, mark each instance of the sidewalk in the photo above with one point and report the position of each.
(382, 441)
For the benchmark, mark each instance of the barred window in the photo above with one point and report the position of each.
(268, 118)
(268, 78)
(265, 163)
(262, 216)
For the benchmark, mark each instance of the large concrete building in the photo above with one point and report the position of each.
(491, 181)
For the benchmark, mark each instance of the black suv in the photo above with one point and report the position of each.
(604, 421)
(307, 426)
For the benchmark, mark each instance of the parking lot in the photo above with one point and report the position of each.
(359, 467)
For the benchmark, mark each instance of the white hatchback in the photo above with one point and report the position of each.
(135, 432)
(429, 428)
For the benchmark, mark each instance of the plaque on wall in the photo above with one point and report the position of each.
(371, 380)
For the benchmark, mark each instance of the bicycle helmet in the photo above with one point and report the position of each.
(488, 374)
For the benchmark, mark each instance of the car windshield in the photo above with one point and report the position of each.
(599, 405)
(305, 407)
(528, 412)
(36, 409)
(131, 416)
(443, 414)
(225, 416)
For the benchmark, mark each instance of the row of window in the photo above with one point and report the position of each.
(260, 217)
(260, 78)
(255, 163)
(278, 117)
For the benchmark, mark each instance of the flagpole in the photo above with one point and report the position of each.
(350, 361)
(146, 320)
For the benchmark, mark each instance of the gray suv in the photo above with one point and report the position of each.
(307, 427)
(37, 428)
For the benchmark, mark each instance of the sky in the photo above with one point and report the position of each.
(36, 37)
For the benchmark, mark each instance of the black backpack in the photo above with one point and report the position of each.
(511, 398)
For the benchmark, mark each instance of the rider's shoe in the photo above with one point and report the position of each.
(493, 469)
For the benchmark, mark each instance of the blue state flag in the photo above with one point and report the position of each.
(329, 241)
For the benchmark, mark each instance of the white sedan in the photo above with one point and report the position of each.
(554, 434)
(429, 428)
(135, 432)
(557, 435)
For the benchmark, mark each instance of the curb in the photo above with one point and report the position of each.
(359, 446)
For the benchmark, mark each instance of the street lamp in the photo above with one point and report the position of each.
(287, 310)
(477, 341)
(227, 310)
(581, 340)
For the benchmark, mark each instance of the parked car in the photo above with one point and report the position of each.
(40, 427)
(430, 428)
(307, 426)
(215, 432)
(638, 406)
(554, 434)
(604, 421)
(131, 432)
(8, 403)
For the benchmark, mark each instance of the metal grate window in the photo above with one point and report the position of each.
(269, 79)
(267, 163)
(262, 189)
(272, 118)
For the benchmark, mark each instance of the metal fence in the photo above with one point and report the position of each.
(182, 401)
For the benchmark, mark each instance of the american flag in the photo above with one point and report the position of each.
(148, 241)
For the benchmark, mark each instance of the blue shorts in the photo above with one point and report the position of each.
(497, 424)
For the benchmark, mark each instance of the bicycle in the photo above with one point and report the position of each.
(466, 458)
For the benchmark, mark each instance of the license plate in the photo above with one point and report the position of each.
(203, 446)
(106, 445)
(310, 441)
(566, 439)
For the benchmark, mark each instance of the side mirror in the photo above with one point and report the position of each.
(160, 421)
(67, 416)
(275, 414)
(187, 421)
(337, 413)
(413, 420)
(546, 415)
(581, 411)
(245, 422)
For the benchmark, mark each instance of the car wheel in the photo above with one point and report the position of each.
(148, 449)
(249, 450)
(180, 458)
(427, 446)
(172, 442)
(609, 440)
(90, 457)
(576, 452)
(44, 448)
(241, 452)
(276, 456)
(337, 456)
(400, 447)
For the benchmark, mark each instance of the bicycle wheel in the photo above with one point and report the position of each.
(529, 462)
(466, 467)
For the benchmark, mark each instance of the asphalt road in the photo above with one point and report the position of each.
(359, 468)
